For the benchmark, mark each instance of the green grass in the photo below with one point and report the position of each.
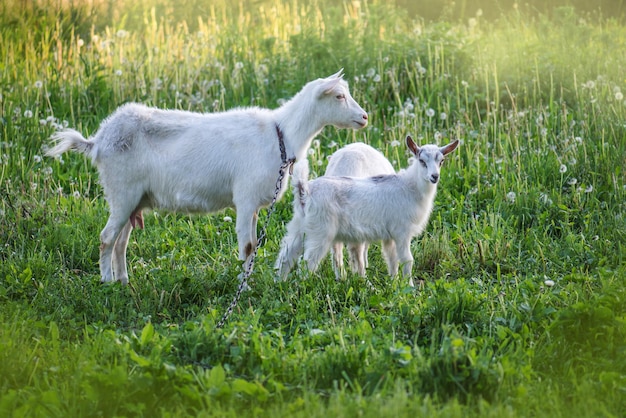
(523, 307)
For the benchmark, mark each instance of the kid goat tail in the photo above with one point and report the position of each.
(69, 139)
(300, 184)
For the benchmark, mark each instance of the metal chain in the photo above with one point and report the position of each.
(286, 164)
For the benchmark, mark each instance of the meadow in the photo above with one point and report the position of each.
(521, 309)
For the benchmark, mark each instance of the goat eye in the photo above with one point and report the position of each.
(423, 163)
(341, 96)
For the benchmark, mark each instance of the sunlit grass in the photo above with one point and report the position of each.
(522, 308)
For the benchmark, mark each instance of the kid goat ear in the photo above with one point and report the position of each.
(412, 145)
(450, 147)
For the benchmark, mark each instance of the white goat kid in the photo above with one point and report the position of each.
(355, 160)
(198, 163)
(389, 208)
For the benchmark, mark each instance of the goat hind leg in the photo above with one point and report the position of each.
(358, 260)
(119, 253)
(337, 253)
(108, 237)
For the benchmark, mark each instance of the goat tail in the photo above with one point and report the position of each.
(70, 139)
(300, 184)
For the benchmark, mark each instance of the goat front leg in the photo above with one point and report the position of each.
(406, 259)
(391, 257)
(246, 234)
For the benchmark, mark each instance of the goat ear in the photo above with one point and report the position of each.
(449, 148)
(328, 86)
(338, 74)
(412, 146)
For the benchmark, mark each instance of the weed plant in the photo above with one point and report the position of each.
(522, 310)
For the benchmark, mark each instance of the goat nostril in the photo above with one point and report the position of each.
(365, 116)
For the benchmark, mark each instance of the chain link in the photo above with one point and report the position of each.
(287, 164)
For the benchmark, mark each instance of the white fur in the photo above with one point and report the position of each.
(355, 160)
(389, 208)
(196, 162)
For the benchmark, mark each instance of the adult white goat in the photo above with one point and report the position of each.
(389, 208)
(198, 163)
(355, 160)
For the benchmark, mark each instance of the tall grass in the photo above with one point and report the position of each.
(522, 308)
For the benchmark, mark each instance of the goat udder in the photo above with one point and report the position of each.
(136, 219)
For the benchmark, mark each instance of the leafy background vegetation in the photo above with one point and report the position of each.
(523, 306)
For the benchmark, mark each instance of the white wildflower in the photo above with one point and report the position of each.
(430, 112)
(562, 168)
(28, 114)
(228, 219)
(510, 196)
(549, 282)
(38, 84)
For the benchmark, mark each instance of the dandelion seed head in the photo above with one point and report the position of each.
(572, 181)
(228, 219)
(38, 84)
(562, 168)
(376, 78)
(371, 72)
(549, 282)
(443, 116)
(118, 72)
(619, 96)
(395, 143)
(510, 196)
(589, 189)
(76, 194)
(37, 158)
(28, 114)
(430, 112)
